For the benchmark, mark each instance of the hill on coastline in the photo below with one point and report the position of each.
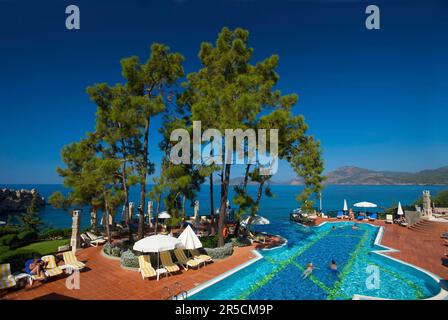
(361, 176)
(350, 175)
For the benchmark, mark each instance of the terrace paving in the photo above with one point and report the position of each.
(105, 279)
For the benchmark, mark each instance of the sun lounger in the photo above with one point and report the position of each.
(71, 260)
(340, 215)
(186, 262)
(94, 243)
(94, 237)
(52, 269)
(6, 278)
(360, 218)
(389, 218)
(195, 253)
(145, 267)
(167, 262)
(373, 217)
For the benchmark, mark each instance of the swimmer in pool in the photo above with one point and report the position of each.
(308, 270)
(333, 266)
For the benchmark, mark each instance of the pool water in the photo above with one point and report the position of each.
(278, 274)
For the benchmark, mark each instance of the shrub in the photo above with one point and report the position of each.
(115, 251)
(9, 240)
(107, 248)
(8, 229)
(26, 237)
(56, 234)
(210, 241)
(129, 259)
(3, 249)
(112, 250)
(220, 252)
(241, 242)
(17, 258)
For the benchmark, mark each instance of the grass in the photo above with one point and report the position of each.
(45, 247)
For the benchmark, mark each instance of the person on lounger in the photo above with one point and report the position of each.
(308, 270)
(36, 267)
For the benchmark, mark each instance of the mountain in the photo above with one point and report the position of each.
(361, 176)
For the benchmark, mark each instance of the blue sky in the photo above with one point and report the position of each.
(375, 99)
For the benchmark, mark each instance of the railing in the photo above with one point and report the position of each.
(174, 292)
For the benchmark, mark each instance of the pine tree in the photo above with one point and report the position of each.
(152, 86)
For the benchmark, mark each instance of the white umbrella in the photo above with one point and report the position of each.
(189, 239)
(2, 222)
(365, 204)
(157, 243)
(345, 206)
(164, 215)
(400, 209)
(256, 220)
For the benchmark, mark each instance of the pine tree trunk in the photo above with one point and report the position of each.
(223, 204)
(94, 219)
(212, 206)
(257, 204)
(141, 207)
(157, 215)
(108, 233)
(246, 177)
(126, 191)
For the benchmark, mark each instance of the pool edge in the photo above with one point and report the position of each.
(224, 275)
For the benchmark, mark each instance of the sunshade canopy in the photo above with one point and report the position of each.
(365, 204)
(400, 209)
(157, 243)
(189, 239)
(164, 215)
(345, 208)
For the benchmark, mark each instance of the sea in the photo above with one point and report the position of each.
(277, 207)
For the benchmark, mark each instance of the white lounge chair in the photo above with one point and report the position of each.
(71, 260)
(93, 243)
(52, 269)
(7, 280)
(145, 267)
(389, 218)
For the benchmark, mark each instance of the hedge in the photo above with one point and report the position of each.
(9, 240)
(17, 258)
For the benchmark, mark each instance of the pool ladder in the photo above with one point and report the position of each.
(174, 292)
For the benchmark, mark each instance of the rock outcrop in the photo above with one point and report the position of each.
(18, 200)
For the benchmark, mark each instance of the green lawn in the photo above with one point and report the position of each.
(45, 247)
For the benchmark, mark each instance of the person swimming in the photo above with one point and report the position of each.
(355, 226)
(308, 270)
(333, 266)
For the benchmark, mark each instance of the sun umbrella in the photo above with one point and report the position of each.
(189, 239)
(365, 204)
(400, 209)
(164, 215)
(157, 243)
(2, 222)
(345, 206)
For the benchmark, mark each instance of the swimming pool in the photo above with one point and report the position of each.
(277, 275)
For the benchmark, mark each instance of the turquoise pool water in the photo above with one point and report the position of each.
(278, 275)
